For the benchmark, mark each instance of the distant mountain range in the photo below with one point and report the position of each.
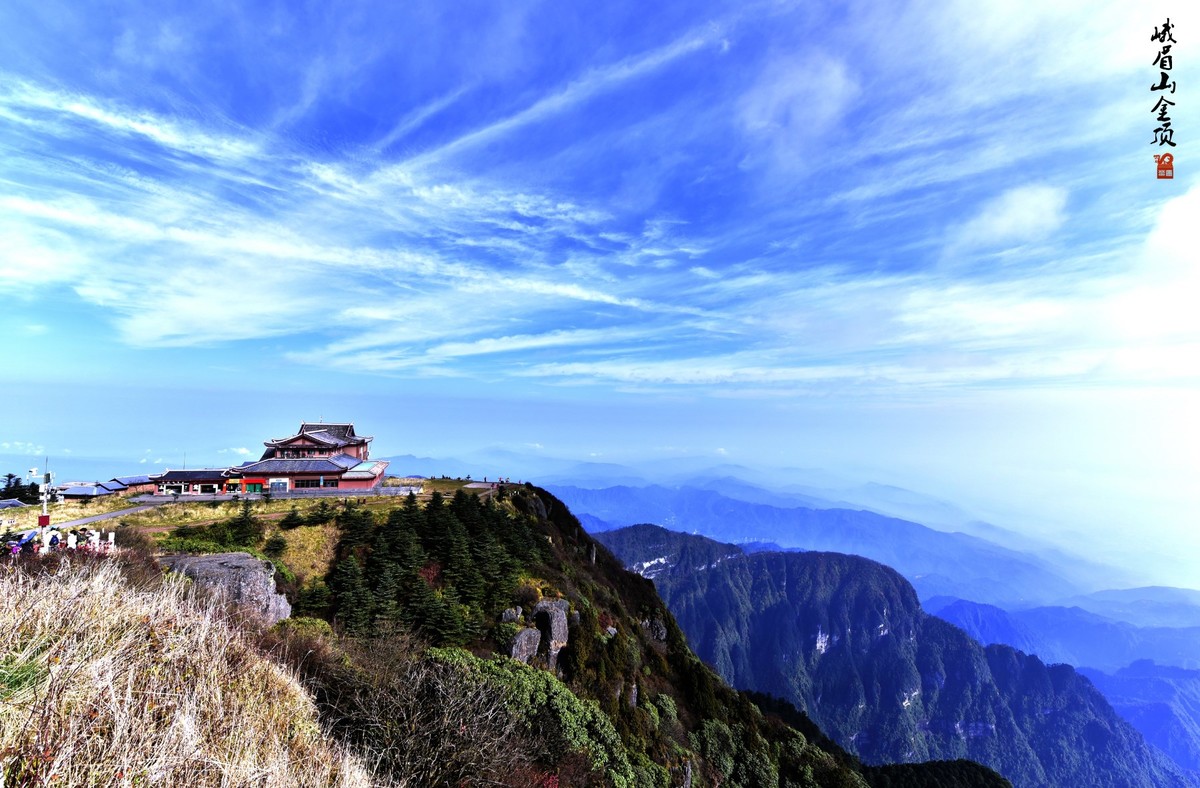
(1161, 702)
(1153, 606)
(846, 640)
(935, 562)
(1072, 634)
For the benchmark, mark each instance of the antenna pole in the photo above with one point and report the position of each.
(45, 491)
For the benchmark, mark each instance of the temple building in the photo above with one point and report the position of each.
(318, 456)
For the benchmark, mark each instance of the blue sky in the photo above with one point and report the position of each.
(921, 243)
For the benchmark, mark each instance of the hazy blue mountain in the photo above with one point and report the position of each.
(740, 490)
(1162, 702)
(1073, 635)
(846, 640)
(937, 563)
(1151, 606)
(990, 624)
(410, 465)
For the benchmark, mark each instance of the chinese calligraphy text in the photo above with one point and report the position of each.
(1164, 134)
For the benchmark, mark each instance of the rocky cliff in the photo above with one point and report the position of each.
(846, 640)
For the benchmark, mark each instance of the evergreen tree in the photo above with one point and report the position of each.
(407, 517)
(422, 604)
(356, 525)
(445, 626)
(407, 554)
(459, 568)
(291, 520)
(385, 589)
(434, 532)
(353, 601)
(244, 529)
(469, 512)
(319, 514)
(496, 568)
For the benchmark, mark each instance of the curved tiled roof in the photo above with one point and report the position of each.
(333, 465)
(327, 434)
(201, 475)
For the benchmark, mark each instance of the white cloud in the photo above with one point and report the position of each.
(591, 84)
(1019, 215)
(23, 447)
(795, 102)
(1156, 301)
(23, 99)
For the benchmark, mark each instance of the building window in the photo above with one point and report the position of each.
(304, 483)
(331, 482)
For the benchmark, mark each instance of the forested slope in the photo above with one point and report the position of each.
(845, 639)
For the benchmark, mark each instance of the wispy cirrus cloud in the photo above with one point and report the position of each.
(1019, 215)
(376, 263)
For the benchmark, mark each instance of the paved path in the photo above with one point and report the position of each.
(106, 516)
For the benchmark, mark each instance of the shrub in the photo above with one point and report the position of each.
(504, 634)
(422, 720)
(561, 722)
(275, 546)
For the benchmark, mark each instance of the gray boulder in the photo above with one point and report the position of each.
(240, 578)
(655, 629)
(551, 618)
(511, 615)
(525, 644)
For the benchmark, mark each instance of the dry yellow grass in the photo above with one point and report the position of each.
(310, 549)
(26, 517)
(103, 684)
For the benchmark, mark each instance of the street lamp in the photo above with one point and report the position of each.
(43, 494)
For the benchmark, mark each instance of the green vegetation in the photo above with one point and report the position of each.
(16, 488)
(628, 705)
(846, 639)
(398, 643)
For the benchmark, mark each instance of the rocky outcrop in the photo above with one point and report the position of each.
(511, 615)
(239, 577)
(551, 618)
(655, 629)
(525, 644)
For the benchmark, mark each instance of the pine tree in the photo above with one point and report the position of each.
(319, 514)
(459, 568)
(435, 527)
(356, 525)
(353, 601)
(445, 625)
(385, 588)
(469, 512)
(291, 520)
(245, 529)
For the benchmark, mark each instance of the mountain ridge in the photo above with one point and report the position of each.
(845, 639)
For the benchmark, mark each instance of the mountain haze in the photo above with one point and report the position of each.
(935, 562)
